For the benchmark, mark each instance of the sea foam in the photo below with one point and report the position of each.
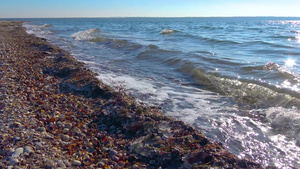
(86, 34)
(168, 31)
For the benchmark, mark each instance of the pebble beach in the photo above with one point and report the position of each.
(55, 113)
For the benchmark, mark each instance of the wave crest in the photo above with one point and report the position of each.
(47, 25)
(86, 34)
(168, 31)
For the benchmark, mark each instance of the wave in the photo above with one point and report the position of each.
(246, 92)
(86, 34)
(280, 71)
(252, 93)
(284, 121)
(274, 45)
(153, 52)
(47, 25)
(168, 31)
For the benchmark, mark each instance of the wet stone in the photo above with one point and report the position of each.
(15, 125)
(61, 164)
(65, 130)
(76, 163)
(16, 138)
(65, 138)
(50, 163)
(38, 145)
(59, 124)
(10, 151)
(41, 129)
(68, 125)
(13, 161)
(113, 152)
(28, 149)
(67, 163)
(100, 164)
(18, 152)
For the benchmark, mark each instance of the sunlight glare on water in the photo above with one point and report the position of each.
(290, 62)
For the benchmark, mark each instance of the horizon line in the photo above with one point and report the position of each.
(156, 17)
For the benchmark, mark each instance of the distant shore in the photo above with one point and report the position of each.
(54, 112)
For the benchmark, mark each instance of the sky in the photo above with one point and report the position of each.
(146, 8)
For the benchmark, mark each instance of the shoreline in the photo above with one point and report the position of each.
(55, 113)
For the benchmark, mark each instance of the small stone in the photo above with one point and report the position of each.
(68, 125)
(41, 129)
(100, 164)
(112, 127)
(47, 136)
(61, 164)
(65, 130)
(13, 161)
(10, 151)
(16, 138)
(135, 166)
(113, 152)
(152, 162)
(38, 145)
(15, 125)
(115, 158)
(18, 152)
(65, 138)
(104, 149)
(76, 163)
(62, 116)
(59, 124)
(121, 163)
(50, 163)
(67, 163)
(28, 149)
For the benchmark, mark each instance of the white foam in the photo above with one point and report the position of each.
(284, 119)
(86, 34)
(37, 30)
(168, 31)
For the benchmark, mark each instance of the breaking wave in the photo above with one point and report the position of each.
(246, 92)
(47, 25)
(168, 31)
(86, 34)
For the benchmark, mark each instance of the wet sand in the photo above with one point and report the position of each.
(55, 113)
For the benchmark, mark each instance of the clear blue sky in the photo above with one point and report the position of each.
(147, 8)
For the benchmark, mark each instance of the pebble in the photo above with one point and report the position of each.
(38, 145)
(67, 163)
(10, 151)
(113, 152)
(41, 129)
(65, 138)
(18, 152)
(68, 125)
(28, 149)
(16, 138)
(62, 116)
(135, 166)
(13, 161)
(61, 164)
(50, 163)
(59, 124)
(15, 125)
(104, 149)
(76, 163)
(100, 164)
(65, 130)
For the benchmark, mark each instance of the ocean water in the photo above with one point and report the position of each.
(237, 80)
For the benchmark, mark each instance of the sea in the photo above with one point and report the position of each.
(236, 79)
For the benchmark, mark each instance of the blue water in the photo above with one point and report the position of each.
(235, 79)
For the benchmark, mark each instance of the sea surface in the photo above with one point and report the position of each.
(235, 79)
